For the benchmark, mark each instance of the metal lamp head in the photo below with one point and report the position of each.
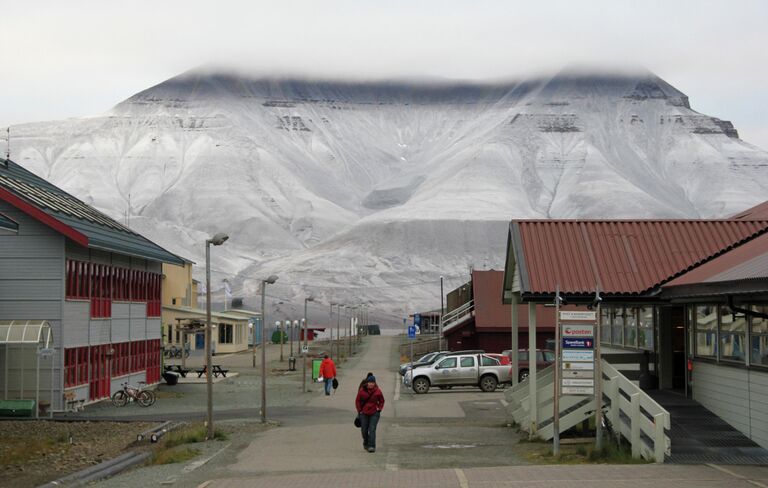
(271, 279)
(218, 239)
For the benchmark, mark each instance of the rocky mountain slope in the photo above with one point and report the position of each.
(369, 191)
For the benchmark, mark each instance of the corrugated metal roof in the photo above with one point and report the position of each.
(623, 257)
(758, 212)
(748, 261)
(102, 231)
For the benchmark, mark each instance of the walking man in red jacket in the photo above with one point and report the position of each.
(369, 403)
(328, 372)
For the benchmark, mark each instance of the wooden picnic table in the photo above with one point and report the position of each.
(178, 369)
(216, 371)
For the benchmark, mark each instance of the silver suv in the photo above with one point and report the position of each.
(479, 370)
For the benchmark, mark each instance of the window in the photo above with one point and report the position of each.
(170, 334)
(630, 327)
(759, 337)
(468, 362)
(75, 366)
(522, 355)
(733, 329)
(605, 325)
(645, 328)
(448, 363)
(225, 333)
(489, 361)
(549, 356)
(706, 331)
(617, 325)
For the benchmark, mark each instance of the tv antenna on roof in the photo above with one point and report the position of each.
(8, 143)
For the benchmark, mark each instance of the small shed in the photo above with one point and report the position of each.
(27, 357)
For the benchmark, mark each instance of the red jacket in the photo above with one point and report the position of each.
(373, 399)
(327, 369)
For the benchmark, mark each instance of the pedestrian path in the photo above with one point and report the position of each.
(330, 442)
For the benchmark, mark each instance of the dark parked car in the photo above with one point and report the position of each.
(544, 357)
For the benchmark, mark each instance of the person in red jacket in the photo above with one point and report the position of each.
(369, 403)
(328, 372)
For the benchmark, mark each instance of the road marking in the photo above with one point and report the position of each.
(397, 386)
(736, 475)
(463, 482)
(196, 464)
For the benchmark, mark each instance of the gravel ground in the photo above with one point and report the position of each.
(34, 452)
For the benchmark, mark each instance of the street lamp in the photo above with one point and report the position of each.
(216, 240)
(330, 325)
(306, 347)
(338, 337)
(271, 280)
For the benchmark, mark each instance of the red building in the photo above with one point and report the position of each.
(476, 318)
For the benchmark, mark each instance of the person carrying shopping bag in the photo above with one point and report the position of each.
(369, 403)
(328, 373)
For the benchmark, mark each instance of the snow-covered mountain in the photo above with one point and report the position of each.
(369, 191)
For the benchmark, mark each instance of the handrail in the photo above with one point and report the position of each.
(458, 315)
(633, 414)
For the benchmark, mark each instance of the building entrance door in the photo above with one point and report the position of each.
(199, 341)
(671, 349)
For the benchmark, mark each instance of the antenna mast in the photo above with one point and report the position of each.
(8, 144)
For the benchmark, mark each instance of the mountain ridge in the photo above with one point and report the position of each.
(370, 183)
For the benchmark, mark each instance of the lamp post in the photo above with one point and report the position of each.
(306, 346)
(330, 326)
(442, 312)
(352, 320)
(338, 337)
(216, 240)
(271, 280)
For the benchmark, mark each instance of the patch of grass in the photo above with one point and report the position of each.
(177, 455)
(191, 435)
(611, 453)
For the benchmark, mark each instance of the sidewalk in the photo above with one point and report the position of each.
(325, 441)
(555, 476)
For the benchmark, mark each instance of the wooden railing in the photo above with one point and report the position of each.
(458, 315)
(633, 414)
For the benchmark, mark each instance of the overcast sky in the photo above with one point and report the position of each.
(75, 58)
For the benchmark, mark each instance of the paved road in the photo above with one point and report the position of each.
(445, 438)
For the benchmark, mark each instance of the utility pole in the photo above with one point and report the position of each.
(338, 337)
(306, 345)
(330, 328)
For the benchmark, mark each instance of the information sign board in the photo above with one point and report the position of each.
(578, 355)
(578, 382)
(578, 390)
(573, 315)
(578, 343)
(411, 332)
(576, 330)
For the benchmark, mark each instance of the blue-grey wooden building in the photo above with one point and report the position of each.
(94, 280)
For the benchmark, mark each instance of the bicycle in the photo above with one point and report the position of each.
(144, 398)
(176, 352)
(606, 423)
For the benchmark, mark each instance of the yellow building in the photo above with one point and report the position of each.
(179, 295)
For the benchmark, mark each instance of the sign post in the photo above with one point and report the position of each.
(411, 338)
(575, 374)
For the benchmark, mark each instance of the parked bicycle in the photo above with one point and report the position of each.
(176, 352)
(606, 423)
(129, 393)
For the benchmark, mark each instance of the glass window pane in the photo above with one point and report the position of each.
(706, 344)
(760, 325)
(467, 362)
(617, 327)
(630, 326)
(732, 322)
(706, 317)
(448, 363)
(645, 328)
(732, 347)
(549, 356)
(522, 355)
(605, 325)
(760, 350)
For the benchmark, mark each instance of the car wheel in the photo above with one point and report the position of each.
(421, 385)
(523, 375)
(488, 383)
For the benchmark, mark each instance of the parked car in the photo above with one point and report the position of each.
(544, 357)
(423, 360)
(434, 356)
(459, 369)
